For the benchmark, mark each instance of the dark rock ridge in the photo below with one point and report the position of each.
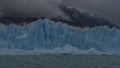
(16, 20)
(82, 19)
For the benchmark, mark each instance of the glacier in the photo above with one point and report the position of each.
(47, 36)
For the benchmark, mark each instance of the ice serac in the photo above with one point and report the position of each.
(47, 34)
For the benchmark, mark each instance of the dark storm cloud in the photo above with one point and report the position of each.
(29, 7)
(49, 8)
(107, 8)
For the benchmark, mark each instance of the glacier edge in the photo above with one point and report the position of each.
(47, 35)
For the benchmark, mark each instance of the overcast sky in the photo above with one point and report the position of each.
(49, 8)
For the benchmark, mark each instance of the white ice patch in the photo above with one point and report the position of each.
(22, 36)
(91, 14)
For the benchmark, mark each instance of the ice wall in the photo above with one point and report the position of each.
(47, 34)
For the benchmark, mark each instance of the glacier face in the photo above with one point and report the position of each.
(47, 34)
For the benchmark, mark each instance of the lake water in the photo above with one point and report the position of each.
(60, 61)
